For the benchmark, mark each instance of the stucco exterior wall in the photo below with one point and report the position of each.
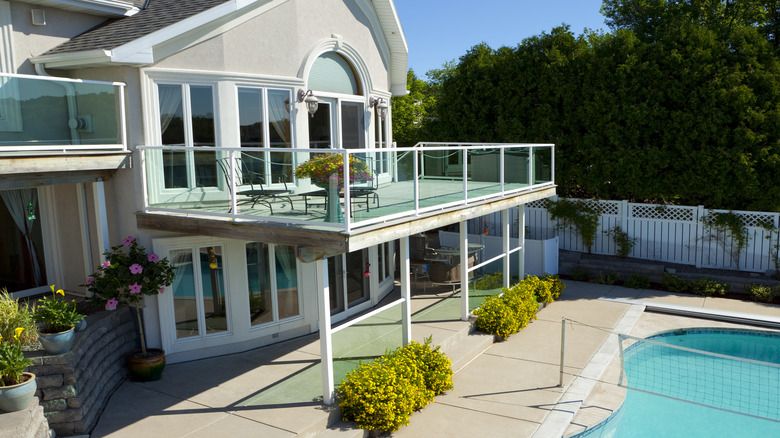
(31, 40)
(277, 42)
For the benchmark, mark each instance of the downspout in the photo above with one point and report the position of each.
(70, 97)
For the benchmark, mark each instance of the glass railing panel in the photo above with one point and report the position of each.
(390, 190)
(517, 170)
(485, 282)
(484, 168)
(187, 180)
(38, 114)
(543, 164)
(441, 176)
(366, 339)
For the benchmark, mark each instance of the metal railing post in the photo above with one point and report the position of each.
(563, 350)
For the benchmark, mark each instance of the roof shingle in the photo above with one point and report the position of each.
(119, 31)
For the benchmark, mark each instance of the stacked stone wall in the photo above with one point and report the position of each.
(74, 387)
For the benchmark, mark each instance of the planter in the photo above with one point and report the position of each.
(145, 369)
(17, 397)
(57, 343)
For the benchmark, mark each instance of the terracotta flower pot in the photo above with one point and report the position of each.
(18, 397)
(145, 369)
(57, 343)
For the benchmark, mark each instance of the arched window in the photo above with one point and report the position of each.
(332, 73)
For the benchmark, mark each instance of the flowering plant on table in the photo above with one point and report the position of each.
(321, 166)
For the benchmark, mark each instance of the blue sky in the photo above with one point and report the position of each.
(442, 30)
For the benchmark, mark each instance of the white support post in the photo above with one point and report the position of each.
(521, 239)
(464, 272)
(86, 249)
(699, 236)
(326, 336)
(406, 311)
(101, 216)
(505, 238)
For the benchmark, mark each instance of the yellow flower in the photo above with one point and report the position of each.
(52, 287)
(61, 292)
(18, 332)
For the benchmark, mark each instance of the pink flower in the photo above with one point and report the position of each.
(135, 268)
(135, 288)
(111, 304)
(152, 258)
(128, 240)
(89, 281)
(161, 290)
(106, 264)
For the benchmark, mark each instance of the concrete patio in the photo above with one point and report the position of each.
(503, 389)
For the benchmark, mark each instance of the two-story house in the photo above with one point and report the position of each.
(182, 123)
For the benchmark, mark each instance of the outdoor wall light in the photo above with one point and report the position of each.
(311, 100)
(381, 106)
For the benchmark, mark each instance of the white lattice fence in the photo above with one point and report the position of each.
(673, 234)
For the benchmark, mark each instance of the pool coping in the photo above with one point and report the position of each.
(561, 415)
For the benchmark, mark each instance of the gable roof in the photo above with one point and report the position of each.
(119, 31)
(131, 40)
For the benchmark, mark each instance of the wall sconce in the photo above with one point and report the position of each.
(381, 106)
(311, 101)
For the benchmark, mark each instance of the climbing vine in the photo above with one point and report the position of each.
(576, 214)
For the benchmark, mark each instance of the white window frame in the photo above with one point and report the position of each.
(266, 119)
(274, 291)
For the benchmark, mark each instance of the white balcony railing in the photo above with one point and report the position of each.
(253, 184)
(44, 113)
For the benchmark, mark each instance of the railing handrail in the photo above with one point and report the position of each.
(470, 146)
(61, 79)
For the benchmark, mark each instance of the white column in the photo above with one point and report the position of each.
(505, 238)
(521, 238)
(406, 311)
(464, 272)
(101, 216)
(326, 338)
(86, 251)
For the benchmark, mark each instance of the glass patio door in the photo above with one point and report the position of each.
(349, 287)
(199, 299)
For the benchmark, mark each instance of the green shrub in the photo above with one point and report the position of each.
(377, 396)
(434, 366)
(623, 243)
(383, 394)
(13, 315)
(509, 313)
(580, 274)
(496, 318)
(542, 290)
(491, 281)
(607, 278)
(556, 285)
(637, 281)
(674, 283)
(707, 287)
(521, 299)
(761, 293)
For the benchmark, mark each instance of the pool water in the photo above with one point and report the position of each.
(724, 397)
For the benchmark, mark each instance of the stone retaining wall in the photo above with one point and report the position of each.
(27, 423)
(74, 387)
(605, 265)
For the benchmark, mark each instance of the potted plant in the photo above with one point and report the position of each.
(321, 166)
(127, 275)
(17, 387)
(57, 319)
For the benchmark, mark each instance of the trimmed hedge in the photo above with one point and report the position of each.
(383, 394)
(510, 312)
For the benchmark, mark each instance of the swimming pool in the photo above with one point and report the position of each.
(701, 395)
